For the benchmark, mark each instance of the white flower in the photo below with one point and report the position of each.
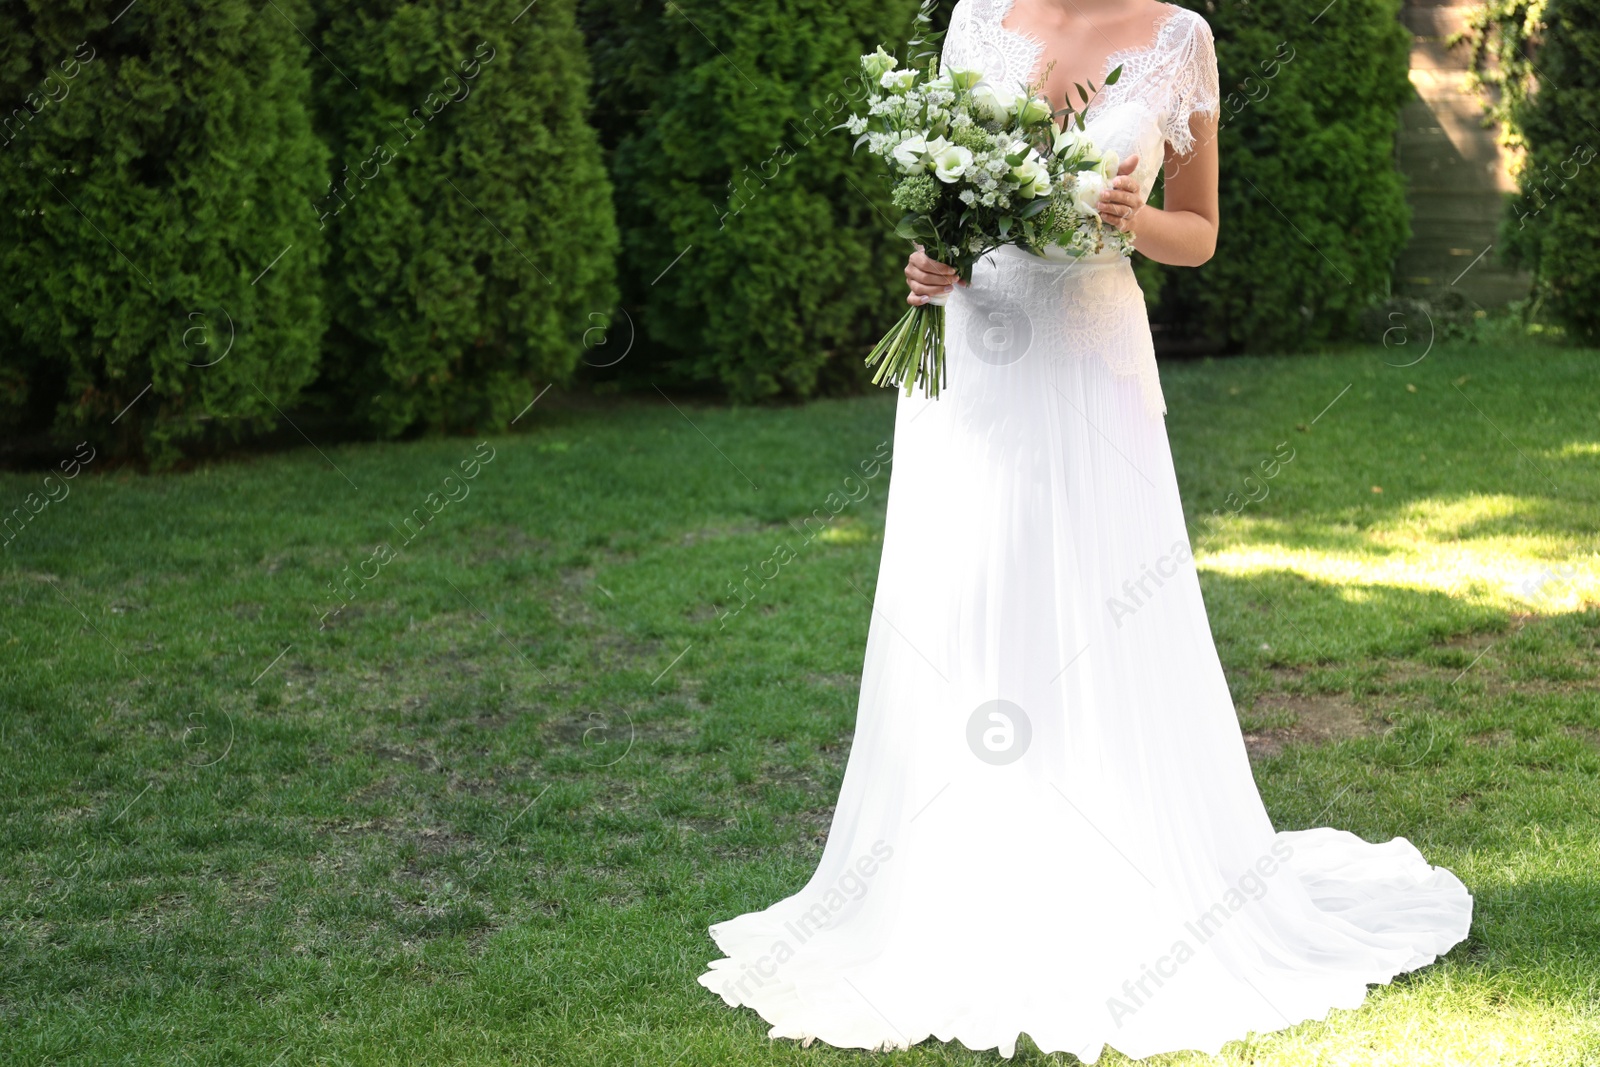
(910, 152)
(856, 124)
(1108, 165)
(1086, 192)
(963, 78)
(967, 196)
(1032, 178)
(993, 102)
(1036, 110)
(877, 64)
(898, 80)
(1069, 140)
(951, 162)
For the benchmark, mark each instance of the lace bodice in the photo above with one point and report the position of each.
(1064, 307)
(1163, 83)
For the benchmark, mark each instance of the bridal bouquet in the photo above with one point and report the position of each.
(975, 166)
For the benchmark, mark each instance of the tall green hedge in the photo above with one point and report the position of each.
(153, 164)
(1313, 206)
(469, 213)
(1553, 225)
(757, 254)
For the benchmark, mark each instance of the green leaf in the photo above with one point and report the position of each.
(1111, 79)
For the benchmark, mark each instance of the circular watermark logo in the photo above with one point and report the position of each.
(998, 732)
(999, 334)
(607, 738)
(207, 737)
(599, 342)
(199, 340)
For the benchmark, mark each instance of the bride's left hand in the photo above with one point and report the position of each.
(1121, 202)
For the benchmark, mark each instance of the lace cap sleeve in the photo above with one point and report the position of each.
(1194, 89)
(952, 52)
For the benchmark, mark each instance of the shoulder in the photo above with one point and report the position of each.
(1184, 24)
(993, 9)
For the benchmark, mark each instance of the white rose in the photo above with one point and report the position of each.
(898, 80)
(993, 102)
(1068, 140)
(1035, 111)
(1032, 178)
(909, 153)
(962, 78)
(1086, 192)
(1108, 165)
(951, 163)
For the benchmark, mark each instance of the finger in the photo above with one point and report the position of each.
(922, 277)
(927, 265)
(920, 294)
(1127, 165)
(928, 286)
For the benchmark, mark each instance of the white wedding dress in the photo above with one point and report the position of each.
(1048, 823)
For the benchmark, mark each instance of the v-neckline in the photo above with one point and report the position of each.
(1120, 55)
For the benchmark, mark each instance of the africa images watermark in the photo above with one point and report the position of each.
(352, 584)
(383, 155)
(850, 886)
(855, 490)
(35, 102)
(1176, 556)
(823, 119)
(1249, 887)
(55, 490)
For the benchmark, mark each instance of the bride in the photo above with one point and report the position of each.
(1048, 823)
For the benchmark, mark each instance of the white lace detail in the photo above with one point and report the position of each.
(1022, 306)
(1053, 305)
(977, 41)
(1174, 76)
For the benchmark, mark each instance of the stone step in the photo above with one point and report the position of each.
(1456, 209)
(1444, 144)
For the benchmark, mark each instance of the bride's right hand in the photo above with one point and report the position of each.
(927, 277)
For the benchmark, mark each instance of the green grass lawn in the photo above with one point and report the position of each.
(485, 812)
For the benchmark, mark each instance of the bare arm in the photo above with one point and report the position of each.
(1183, 233)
